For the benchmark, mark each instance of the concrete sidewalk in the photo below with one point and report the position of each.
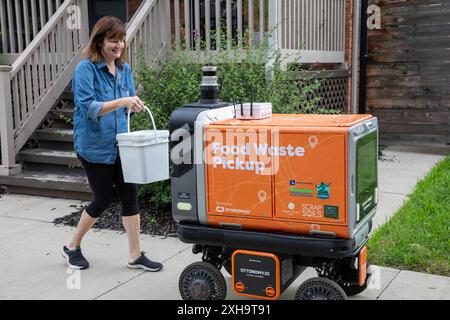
(35, 269)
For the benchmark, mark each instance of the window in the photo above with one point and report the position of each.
(366, 175)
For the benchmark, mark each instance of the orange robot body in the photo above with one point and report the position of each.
(288, 173)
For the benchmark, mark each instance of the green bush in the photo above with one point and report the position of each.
(170, 84)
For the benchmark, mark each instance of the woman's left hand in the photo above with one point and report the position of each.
(134, 104)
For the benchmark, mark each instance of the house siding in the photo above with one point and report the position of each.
(133, 5)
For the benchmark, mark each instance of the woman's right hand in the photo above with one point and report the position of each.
(134, 104)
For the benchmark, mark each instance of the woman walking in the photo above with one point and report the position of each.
(104, 91)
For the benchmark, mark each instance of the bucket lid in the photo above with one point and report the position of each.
(143, 135)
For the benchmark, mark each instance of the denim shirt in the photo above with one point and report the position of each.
(93, 85)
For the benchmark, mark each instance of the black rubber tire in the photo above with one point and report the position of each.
(354, 289)
(320, 289)
(202, 281)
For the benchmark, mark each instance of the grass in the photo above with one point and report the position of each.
(417, 237)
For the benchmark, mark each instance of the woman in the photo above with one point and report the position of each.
(104, 91)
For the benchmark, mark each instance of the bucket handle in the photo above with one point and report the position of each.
(151, 116)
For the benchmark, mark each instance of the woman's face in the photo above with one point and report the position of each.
(112, 48)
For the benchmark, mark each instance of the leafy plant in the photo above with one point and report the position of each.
(61, 116)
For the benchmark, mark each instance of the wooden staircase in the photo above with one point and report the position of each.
(36, 133)
(49, 164)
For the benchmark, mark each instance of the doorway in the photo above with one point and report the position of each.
(101, 8)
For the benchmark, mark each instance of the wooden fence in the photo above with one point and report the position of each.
(408, 77)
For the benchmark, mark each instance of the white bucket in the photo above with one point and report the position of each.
(144, 154)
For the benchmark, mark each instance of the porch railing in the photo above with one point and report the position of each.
(148, 33)
(311, 30)
(20, 22)
(315, 29)
(206, 20)
(39, 76)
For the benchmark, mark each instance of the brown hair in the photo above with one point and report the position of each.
(106, 28)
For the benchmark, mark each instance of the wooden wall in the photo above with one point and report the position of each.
(408, 79)
(133, 5)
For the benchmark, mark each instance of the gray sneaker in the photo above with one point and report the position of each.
(145, 263)
(75, 258)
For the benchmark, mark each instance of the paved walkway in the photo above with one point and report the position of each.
(35, 269)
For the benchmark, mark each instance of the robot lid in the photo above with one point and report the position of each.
(300, 120)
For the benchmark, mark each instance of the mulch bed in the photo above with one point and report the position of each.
(154, 221)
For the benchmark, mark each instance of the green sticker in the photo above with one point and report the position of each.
(323, 190)
(298, 190)
(331, 212)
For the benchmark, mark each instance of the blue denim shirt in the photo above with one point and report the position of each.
(93, 85)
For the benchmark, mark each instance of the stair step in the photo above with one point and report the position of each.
(39, 155)
(62, 124)
(56, 145)
(70, 186)
(54, 134)
(55, 168)
(67, 95)
(55, 138)
(66, 112)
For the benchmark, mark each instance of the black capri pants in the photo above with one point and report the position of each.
(101, 179)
